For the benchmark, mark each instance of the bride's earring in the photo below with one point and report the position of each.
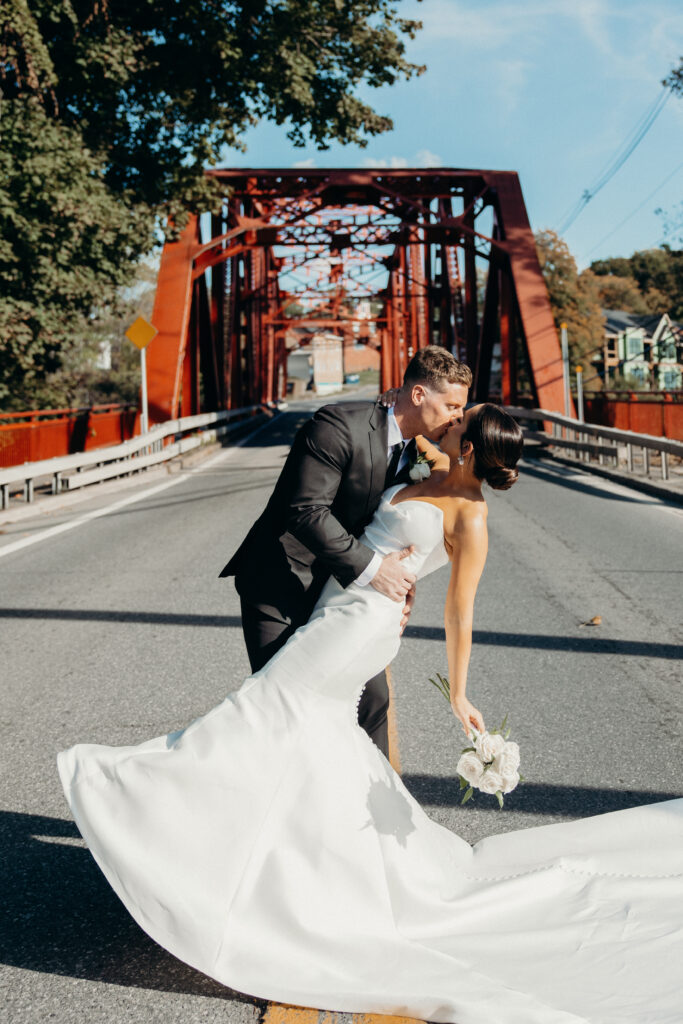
(461, 461)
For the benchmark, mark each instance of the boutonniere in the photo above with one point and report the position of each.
(420, 468)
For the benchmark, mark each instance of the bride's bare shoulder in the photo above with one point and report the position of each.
(466, 521)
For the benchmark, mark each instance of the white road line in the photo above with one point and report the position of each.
(54, 531)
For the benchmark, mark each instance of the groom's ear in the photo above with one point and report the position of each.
(417, 394)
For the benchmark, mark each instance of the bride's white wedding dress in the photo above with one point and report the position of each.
(271, 845)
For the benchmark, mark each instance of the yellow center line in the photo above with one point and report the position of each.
(279, 1013)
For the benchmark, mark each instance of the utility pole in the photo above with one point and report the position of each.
(565, 368)
(579, 392)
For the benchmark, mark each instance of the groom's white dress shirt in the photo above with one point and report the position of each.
(394, 437)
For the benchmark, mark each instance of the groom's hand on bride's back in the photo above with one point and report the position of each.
(392, 578)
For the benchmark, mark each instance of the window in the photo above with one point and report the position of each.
(670, 377)
(667, 348)
(634, 345)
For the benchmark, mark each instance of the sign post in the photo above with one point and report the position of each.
(141, 333)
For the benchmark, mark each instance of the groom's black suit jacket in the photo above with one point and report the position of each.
(326, 494)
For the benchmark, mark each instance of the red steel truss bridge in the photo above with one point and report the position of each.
(394, 259)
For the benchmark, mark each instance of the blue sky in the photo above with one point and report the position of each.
(549, 88)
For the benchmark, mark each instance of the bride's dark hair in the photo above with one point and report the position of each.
(497, 442)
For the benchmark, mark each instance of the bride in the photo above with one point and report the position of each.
(271, 845)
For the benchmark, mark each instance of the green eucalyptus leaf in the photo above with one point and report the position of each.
(468, 796)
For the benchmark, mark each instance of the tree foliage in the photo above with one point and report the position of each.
(674, 80)
(649, 281)
(65, 249)
(158, 87)
(110, 115)
(673, 219)
(574, 300)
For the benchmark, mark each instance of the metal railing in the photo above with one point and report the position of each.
(68, 472)
(584, 439)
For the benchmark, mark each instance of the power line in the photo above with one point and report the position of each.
(635, 211)
(635, 137)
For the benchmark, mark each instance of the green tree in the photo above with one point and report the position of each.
(617, 292)
(112, 112)
(158, 89)
(657, 273)
(574, 300)
(65, 249)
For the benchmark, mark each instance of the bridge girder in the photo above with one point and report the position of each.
(437, 256)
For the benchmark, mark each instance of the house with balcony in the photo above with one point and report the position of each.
(647, 350)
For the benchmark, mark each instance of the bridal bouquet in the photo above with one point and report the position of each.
(491, 765)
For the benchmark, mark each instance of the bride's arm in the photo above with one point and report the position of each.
(469, 545)
(434, 454)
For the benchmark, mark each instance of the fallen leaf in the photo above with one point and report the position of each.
(595, 621)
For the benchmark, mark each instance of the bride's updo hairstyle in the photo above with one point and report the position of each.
(497, 442)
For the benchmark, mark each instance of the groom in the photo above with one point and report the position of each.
(329, 488)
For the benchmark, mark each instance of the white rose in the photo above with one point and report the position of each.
(509, 780)
(420, 471)
(470, 767)
(489, 746)
(490, 782)
(509, 757)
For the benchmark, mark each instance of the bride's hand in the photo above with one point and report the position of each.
(388, 398)
(468, 715)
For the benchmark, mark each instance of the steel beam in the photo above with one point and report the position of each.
(332, 239)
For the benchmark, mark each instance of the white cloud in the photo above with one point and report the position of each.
(627, 37)
(425, 158)
(512, 75)
(303, 164)
(393, 162)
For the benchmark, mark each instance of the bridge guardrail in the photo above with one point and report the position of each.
(574, 435)
(69, 472)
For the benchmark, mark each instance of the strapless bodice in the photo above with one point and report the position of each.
(412, 521)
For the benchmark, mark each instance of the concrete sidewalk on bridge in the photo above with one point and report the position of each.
(667, 490)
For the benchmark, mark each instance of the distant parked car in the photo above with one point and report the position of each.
(351, 378)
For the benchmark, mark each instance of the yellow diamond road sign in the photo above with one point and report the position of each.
(141, 332)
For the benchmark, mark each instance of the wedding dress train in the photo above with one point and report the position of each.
(271, 845)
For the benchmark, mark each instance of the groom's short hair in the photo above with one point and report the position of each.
(435, 367)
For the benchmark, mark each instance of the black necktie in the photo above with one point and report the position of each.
(396, 453)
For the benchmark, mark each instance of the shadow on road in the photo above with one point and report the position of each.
(61, 917)
(588, 644)
(564, 479)
(106, 615)
(279, 430)
(537, 798)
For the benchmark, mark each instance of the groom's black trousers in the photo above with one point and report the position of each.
(265, 634)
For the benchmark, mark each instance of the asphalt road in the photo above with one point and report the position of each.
(116, 628)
